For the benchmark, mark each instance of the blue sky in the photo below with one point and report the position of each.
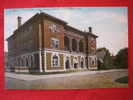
(109, 23)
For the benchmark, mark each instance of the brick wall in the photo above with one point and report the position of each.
(48, 35)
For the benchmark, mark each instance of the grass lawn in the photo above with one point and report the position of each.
(122, 79)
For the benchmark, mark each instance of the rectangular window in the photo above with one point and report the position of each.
(55, 43)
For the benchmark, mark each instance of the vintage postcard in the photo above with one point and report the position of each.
(66, 48)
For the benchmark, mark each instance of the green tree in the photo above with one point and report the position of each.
(108, 62)
(121, 60)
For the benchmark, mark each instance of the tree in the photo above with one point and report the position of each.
(108, 62)
(121, 60)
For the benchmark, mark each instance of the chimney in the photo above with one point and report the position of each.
(90, 29)
(19, 21)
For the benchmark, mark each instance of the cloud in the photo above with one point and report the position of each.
(105, 15)
(83, 20)
(10, 21)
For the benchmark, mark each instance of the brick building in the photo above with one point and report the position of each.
(47, 44)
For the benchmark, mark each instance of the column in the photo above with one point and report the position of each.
(32, 61)
(24, 61)
(77, 45)
(40, 61)
(79, 62)
(40, 48)
(70, 43)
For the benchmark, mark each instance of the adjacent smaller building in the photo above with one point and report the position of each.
(104, 58)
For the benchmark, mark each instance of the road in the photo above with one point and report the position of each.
(77, 80)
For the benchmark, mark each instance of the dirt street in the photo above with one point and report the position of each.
(99, 80)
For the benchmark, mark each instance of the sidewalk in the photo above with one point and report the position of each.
(29, 77)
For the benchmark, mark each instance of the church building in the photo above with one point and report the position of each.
(45, 43)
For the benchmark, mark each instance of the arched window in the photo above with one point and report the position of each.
(21, 62)
(18, 62)
(55, 61)
(74, 45)
(24, 61)
(32, 64)
(66, 43)
(81, 46)
(75, 62)
(82, 62)
(93, 62)
(27, 64)
(67, 63)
